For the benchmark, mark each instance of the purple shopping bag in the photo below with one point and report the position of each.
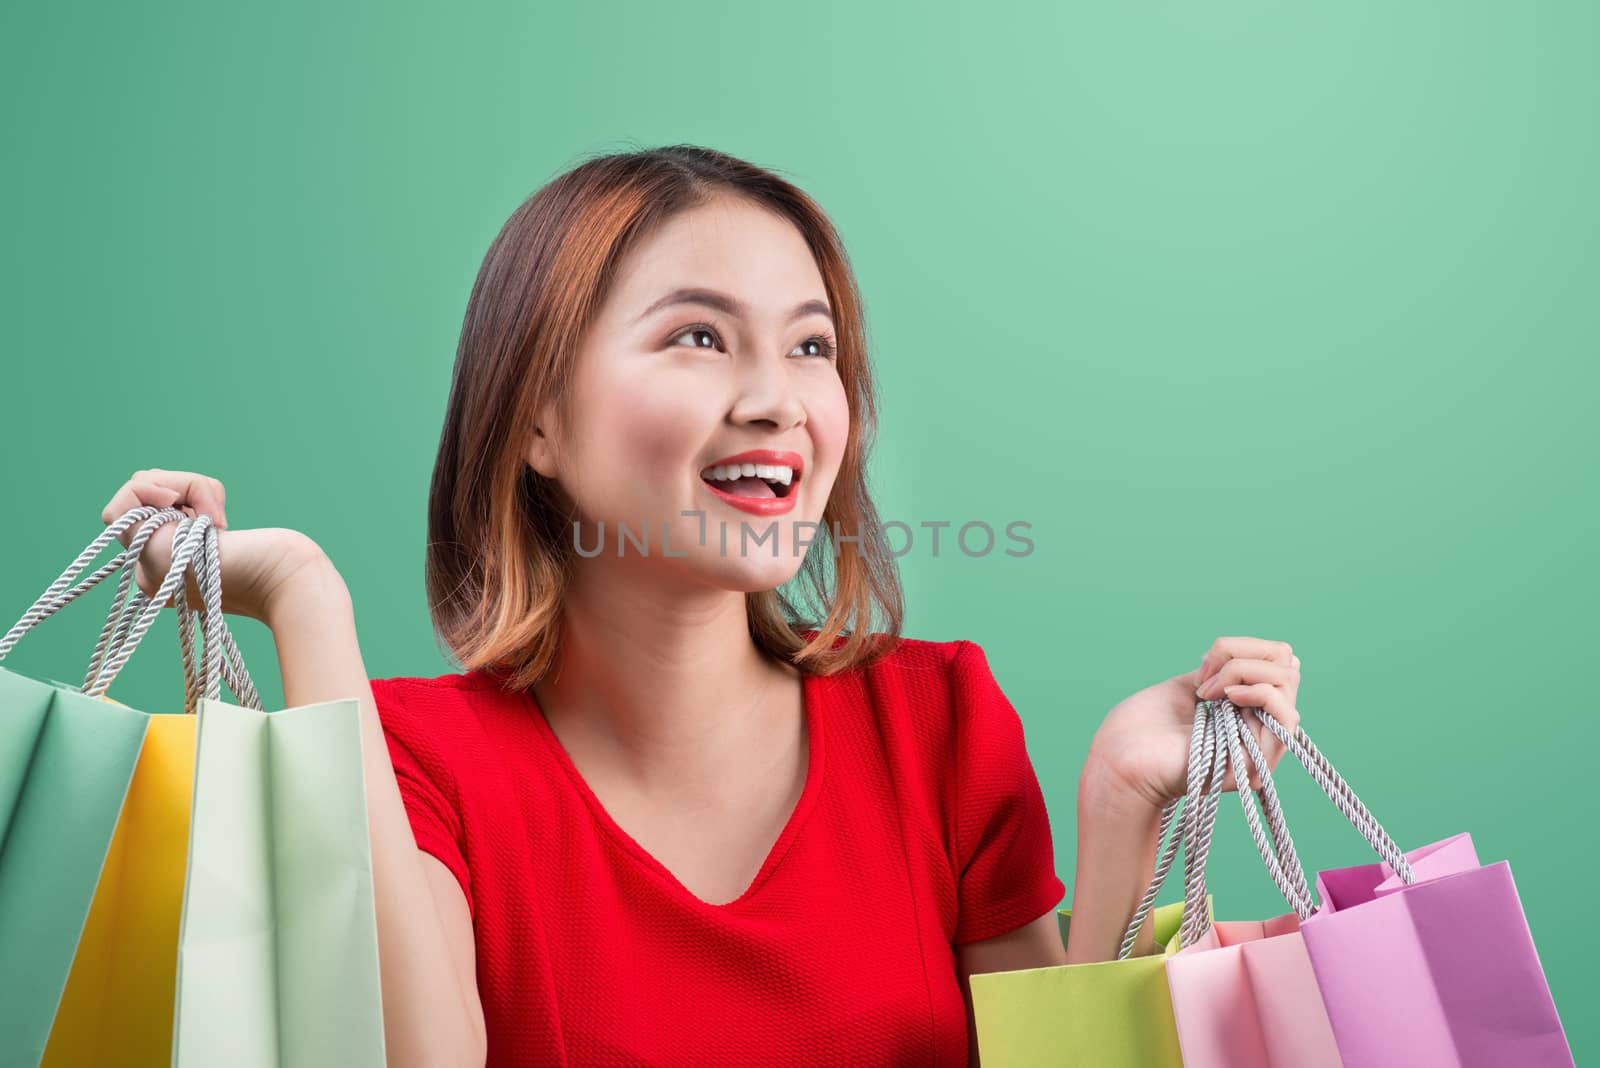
(1440, 972)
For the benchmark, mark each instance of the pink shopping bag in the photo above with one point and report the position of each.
(1440, 972)
(1243, 993)
(1244, 996)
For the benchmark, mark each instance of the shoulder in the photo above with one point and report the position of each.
(439, 712)
(932, 686)
(403, 695)
(906, 657)
(923, 662)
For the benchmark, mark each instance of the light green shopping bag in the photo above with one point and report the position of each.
(1116, 1013)
(66, 761)
(278, 951)
(1111, 1013)
(68, 758)
(278, 946)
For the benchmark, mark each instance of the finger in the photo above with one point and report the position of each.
(119, 504)
(1247, 672)
(193, 493)
(135, 492)
(1224, 649)
(153, 494)
(200, 492)
(1271, 748)
(207, 495)
(1269, 698)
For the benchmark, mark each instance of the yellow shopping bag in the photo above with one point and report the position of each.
(117, 1007)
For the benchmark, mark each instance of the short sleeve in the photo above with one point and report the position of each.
(1005, 854)
(426, 785)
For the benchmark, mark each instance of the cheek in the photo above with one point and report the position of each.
(828, 413)
(641, 435)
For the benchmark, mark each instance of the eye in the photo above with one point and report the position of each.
(826, 347)
(698, 328)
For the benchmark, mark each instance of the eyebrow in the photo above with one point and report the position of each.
(729, 305)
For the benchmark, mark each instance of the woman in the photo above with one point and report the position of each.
(656, 818)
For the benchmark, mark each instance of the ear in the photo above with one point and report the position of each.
(541, 454)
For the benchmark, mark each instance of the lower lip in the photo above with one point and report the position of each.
(758, 505)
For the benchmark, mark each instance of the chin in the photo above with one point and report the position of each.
(750, 574)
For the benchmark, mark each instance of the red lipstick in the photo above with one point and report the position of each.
(763, 506)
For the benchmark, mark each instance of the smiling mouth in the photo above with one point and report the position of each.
(755, 481)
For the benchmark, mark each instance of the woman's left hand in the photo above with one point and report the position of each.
(1141, 750)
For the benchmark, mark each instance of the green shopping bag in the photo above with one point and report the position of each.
(278, 952)
(68, 756)
(65, 764)
(1108, 1014)
(278, 946)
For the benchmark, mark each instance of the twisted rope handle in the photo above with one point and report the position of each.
(125, 611)
(1219, 737)
(131, 615)
(1284, 867)
(1205, 790)
(1340, 793)
(223, 658)
(1282, 863)
(194, 549)
(1283, 843)
(57, 596)
(1197, 753)
(184, 545)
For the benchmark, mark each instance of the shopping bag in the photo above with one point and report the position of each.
(278, 945)
(1244, 995)
(1425, 958)
(278, 956)
(1243, 992)
(1117, 1013)
(1107, 1013)
(89, 891)
(1440, 971)
(117, 1005)
(66, 762)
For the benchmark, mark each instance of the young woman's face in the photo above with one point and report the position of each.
(670, 388)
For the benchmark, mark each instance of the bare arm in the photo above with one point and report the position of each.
(432, 1014)
(1116, 860)
(1036, 944)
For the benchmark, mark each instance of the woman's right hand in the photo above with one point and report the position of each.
(255, 563)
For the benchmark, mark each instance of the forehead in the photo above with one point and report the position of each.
(728, 244)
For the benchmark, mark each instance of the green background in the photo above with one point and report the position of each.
(1271, 319)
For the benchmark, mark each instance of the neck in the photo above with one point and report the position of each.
(661, 684)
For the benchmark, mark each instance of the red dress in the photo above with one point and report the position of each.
(921, 825)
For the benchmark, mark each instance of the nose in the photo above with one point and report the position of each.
(766, 396)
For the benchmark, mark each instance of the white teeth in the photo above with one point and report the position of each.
(769, 472)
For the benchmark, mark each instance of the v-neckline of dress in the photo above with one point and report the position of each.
(810, 687)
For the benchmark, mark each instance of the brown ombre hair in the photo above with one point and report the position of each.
(499, 553)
